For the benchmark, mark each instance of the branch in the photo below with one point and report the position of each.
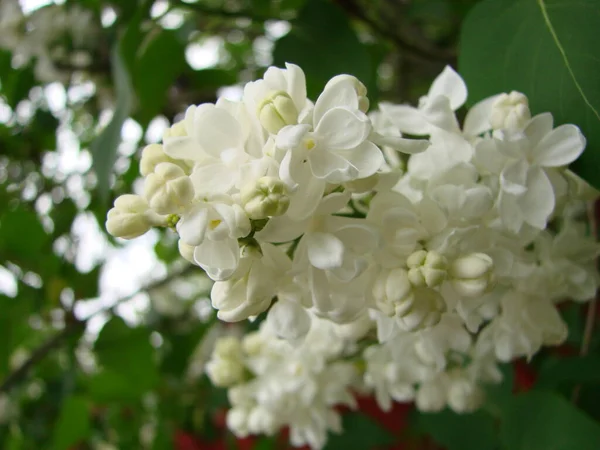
(590, 319)
(19, 374)
(224, 13)
(412, 50)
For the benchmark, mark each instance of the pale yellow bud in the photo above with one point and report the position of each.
(276, 111)
(129, 217)
(510, 111)
(472, 275)
(423, 308)
(168, 189)
(426, 268)
(266, 198)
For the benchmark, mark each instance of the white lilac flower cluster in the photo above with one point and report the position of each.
(405, 267)
(40, 37)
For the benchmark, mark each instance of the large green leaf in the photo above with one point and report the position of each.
(460, 431)
(104, 148)
(544, 421)
(323, 44)
(127, 352)
(73, 424)
(546, 49)
(360, 432)
(161, 60)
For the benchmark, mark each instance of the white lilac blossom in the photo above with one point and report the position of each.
(409, 277)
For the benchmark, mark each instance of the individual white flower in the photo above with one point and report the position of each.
(426, 268)
(130, 217)
(447, 93)
(253, 285)
(168, 189)
(267, 197)
(214, 228)
(526, 194)
(336, 148)
(472, 275)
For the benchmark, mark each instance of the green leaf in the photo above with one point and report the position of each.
(360, 433)
(460, 431)
(23, 236)
(544, 421)
(73, 424)
(573, 370)
(127, 352)
(161, 60)
(104, 148)
(546, 49)
(323, 44)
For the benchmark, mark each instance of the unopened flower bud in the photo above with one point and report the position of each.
(431, 397)
(472, 275)
(261, 420)
(464, 396)
(359, 87)
(237, 421)
(267, 197)
(228, 347)
(153, 155)
(225, 372)
(426, 268)
(168, 189)
(130, 217)
(423, 308)
(390, 288)
(510, 111)
(253, 343)
(276, 111)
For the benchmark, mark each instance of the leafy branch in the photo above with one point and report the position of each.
(74, 325)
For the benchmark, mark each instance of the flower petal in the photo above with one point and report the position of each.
(560, 147)
(291, 136)
(216, 130)
(438, 112)
(192, 226)
(325, 251)
(212, 179)
(306, 198)
(282, 229)
(537, 204)
(288, 320)
(183, 147)
(367, 158)
(449, 84)
(341, 128)
(477, 120)
(538, 127)
(218, 258)
(407, 118)
(513, 178)
(340, 94)
(331, 167)
(296, 82)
